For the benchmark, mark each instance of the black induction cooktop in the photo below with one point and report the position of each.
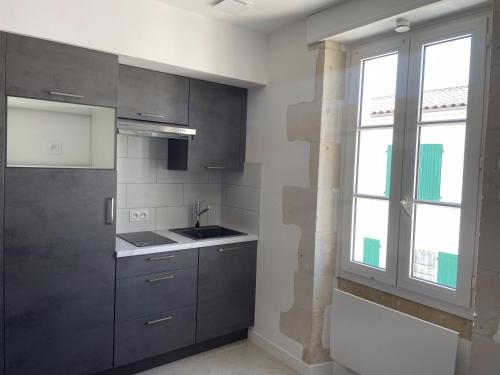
(142, 239)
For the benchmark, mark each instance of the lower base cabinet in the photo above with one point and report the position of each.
(153, 335)
(226, 289)
(182, 299)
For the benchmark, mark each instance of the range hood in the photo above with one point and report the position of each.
(152, 129)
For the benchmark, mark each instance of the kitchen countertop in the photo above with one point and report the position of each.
(126, 249)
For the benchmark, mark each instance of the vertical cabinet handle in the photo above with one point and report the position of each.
(110, 210)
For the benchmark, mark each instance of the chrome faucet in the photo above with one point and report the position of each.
(198, 212)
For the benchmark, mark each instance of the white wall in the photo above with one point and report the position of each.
(145, 32)
(291, 80)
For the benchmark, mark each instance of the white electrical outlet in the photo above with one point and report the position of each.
(55, 148)
(139, 215)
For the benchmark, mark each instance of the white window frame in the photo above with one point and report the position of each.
(396, 278)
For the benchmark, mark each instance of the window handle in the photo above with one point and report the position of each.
(406, 205)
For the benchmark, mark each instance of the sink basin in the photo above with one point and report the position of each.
(203, 233)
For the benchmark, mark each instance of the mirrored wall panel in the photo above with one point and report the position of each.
(48, 134)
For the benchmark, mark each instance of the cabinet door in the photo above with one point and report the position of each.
(152, 96)
(40, 69)
(2, 162)
(218, 113)
(226, 289)
(152, 335)
(59, 271)
(155, 293)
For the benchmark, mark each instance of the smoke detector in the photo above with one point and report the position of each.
(402, 25)
(232, 6)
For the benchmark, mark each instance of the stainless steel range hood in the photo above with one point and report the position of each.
(156, 130)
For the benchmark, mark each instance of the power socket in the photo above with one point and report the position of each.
(139, 215)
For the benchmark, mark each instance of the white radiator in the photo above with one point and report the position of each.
(371, 339)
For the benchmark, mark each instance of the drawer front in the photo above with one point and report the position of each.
(154, 263)
(227, 268)
(152, 96)
(155, 293)
(225, 314)
(153, 335)
(41, 69)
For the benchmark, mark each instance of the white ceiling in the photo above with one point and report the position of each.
(263, 15)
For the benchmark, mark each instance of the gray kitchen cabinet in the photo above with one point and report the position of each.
(154, 263)
(218, 113)
(41, 69)
(2, 162)
(152, 96)
(152, 335)
(155, 293)
(59, 271)
(226, 289)
(155, 312)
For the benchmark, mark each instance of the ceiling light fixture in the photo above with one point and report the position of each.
(232, 6)
(402, 25)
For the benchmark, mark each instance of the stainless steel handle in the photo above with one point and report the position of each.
(58, 93)
(169, 277)
(214, 167)
(158, 320)
(160, 258)
(150, 115)
(222, 250)
(110, 210)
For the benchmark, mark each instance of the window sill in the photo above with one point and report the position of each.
(462, 312)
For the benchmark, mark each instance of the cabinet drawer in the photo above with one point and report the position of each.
(41, 69)
(152, 96)
(154, 263)
(225, 314)
(150, 294)
(153, 335)
(226, 268)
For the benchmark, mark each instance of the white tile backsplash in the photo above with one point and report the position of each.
(246, 197)
(241, 194)
(136, 170)
(145, 182)
(251, 176)
(209, 193)
(173, 217)
(147, 148)
(154, 195)
(121, 146)
(121, 196)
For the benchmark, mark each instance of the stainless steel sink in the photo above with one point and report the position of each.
(202, 233)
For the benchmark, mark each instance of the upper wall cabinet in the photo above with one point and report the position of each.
(218, 113)
(152, 96)
(40, 69)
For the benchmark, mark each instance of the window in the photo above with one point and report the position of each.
(411, 174)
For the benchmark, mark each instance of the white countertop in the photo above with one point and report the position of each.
(126, 249)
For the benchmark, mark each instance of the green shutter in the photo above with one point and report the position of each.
(429, 172)
(388, 172)
(371, 251)
(447, 270)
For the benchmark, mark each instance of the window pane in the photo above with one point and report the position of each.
(440, 163)
(446, 80)
(435, 253)
(374, 163)
(379, 90)
(370, 232)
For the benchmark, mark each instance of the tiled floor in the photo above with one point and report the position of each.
(241, 358)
